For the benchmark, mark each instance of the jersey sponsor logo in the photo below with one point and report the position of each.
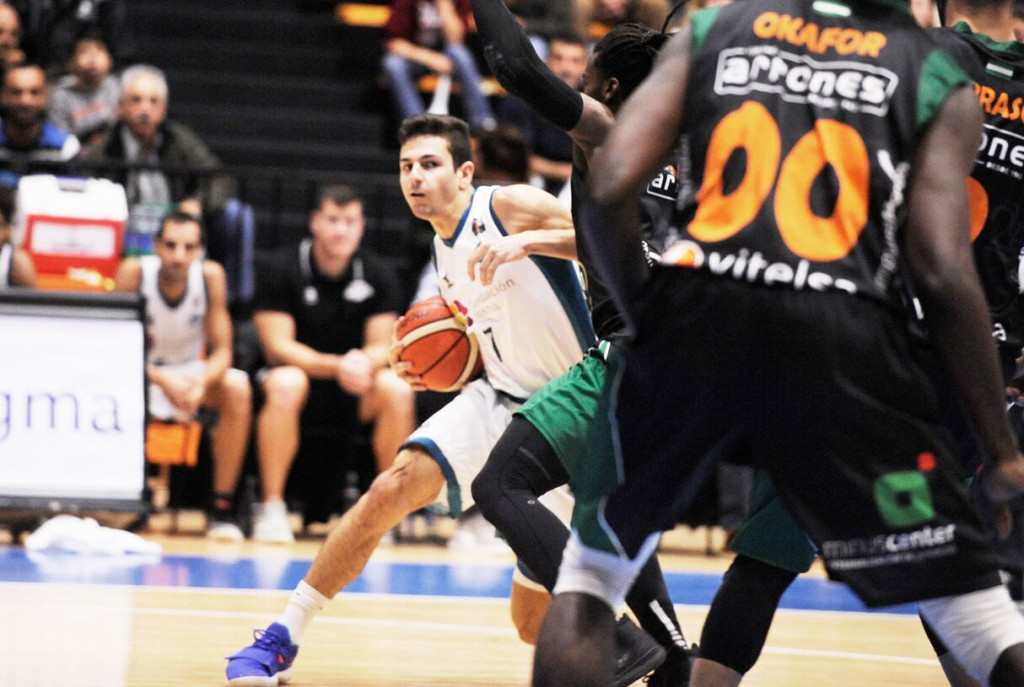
(897, 173)
(665, 185)
(1001, 151)
(806, 34)
(477, 227)
(903, 500)
(461, 313)
(750, 267)
(498, 288)
(999, 103)
(888, 549)
(849, 86)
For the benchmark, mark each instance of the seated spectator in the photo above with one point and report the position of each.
(25, 136)
(16, 268)
(542, 19)
(51, 26)
(85, 101)
(551, 159)
(429, 36)
(10, 37)
(188, 361)
(144, 135)
(594, 15)
(324, 312)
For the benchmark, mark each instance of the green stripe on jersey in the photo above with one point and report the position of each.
(700, 24)
(940, 75)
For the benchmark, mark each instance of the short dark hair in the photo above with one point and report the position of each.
(24, 64)
(177, 216)
(339, 194)
(452, 129)
(89, 34)
(1018, 9)
(503, 152)
(627, 53)
(570, 37)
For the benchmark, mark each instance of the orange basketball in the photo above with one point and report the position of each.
(437, 345)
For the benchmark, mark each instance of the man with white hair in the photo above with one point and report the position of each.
(144, 135)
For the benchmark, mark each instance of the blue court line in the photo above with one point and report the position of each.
(434, 579)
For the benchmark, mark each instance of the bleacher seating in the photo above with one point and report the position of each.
(274, 85)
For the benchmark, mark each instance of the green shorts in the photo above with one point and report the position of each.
(770, 535)
(572, 412)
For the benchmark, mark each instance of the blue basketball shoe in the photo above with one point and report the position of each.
(267, 662)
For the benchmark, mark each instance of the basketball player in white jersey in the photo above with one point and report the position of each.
(504, 260)
(189, 358)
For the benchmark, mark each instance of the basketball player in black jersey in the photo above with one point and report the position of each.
(980, 39)
(773, 328)
(547, 445)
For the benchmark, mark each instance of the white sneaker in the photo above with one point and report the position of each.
(224, 530)
(474, 533)
(271, 525)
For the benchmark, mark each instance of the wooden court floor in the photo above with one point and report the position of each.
(166, 630)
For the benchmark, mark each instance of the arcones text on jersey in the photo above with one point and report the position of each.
(840, 84)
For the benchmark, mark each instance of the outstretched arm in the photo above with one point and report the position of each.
(647, 128)
(515, 64)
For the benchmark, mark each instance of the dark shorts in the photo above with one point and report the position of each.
(825, 391)
(770, 535)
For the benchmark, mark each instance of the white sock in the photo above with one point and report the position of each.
(303, 605)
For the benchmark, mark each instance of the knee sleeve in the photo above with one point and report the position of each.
(741, 613)
(977, 627)
(521, 466)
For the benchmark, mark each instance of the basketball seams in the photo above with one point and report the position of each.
(432, 333)
(425, 330)
(441, 358)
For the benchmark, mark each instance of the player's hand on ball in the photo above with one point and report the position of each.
(401, 367)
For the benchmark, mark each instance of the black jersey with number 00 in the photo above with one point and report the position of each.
(800, 151)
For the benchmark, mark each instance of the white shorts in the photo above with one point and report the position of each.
(160, 407)
(460, 437)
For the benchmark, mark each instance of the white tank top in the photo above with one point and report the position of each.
(176, 332)
(532, 322)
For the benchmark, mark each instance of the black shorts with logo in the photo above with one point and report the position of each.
(829, 394)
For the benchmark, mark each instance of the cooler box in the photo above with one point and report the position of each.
(73, 228)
